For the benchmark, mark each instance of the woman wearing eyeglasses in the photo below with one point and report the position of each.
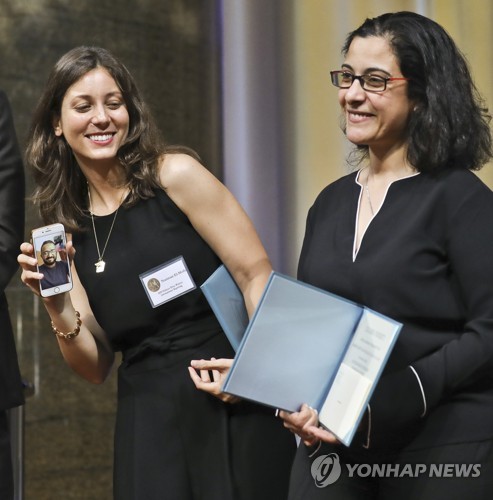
(409, 234)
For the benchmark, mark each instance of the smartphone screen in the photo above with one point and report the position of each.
(50, 248)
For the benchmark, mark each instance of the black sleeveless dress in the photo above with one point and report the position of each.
(171, 440)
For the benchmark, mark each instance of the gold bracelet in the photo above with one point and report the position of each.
(70, 335)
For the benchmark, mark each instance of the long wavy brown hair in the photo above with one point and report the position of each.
(61, 192)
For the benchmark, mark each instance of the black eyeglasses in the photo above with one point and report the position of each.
(371, 83)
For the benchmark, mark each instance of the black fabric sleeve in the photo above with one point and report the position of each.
(11, 194)
(465, 360)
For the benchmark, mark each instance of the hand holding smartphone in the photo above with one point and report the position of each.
(50, 250)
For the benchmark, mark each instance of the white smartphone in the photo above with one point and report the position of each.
(50, 249)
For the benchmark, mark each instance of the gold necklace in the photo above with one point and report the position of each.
(101, 264)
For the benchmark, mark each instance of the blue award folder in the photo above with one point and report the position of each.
(305, 345)
(226, 300)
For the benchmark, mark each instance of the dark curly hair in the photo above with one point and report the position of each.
(449, 127)
(61, 193)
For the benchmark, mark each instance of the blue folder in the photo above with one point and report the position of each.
(292, 350)
(295, 344)
(226, 300)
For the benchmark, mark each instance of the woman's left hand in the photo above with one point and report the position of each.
(209, 376)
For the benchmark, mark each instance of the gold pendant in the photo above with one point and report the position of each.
(100, 266)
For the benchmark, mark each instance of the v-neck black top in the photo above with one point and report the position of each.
(426, 260)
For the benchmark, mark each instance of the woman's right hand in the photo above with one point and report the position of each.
(27, 261)
(299, 422)
(304, 423)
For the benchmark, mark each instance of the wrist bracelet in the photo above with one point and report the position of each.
(70, 335)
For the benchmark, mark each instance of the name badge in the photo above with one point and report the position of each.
(167, 282)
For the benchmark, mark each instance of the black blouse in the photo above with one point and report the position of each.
(146, 236)
(426, 261)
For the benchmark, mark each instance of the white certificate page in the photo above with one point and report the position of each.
(358, 373)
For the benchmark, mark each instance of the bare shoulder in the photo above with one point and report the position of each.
(188, 183)
(178, 168)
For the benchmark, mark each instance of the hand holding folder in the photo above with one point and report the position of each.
(305, 345)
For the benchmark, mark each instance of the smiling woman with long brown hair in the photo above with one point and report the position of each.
(141, 214)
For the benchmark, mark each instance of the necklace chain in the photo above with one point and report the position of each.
(100, 264)
(367, 191)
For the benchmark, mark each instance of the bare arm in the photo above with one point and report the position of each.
(89, 354)
(224, 225)
(220, 221)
